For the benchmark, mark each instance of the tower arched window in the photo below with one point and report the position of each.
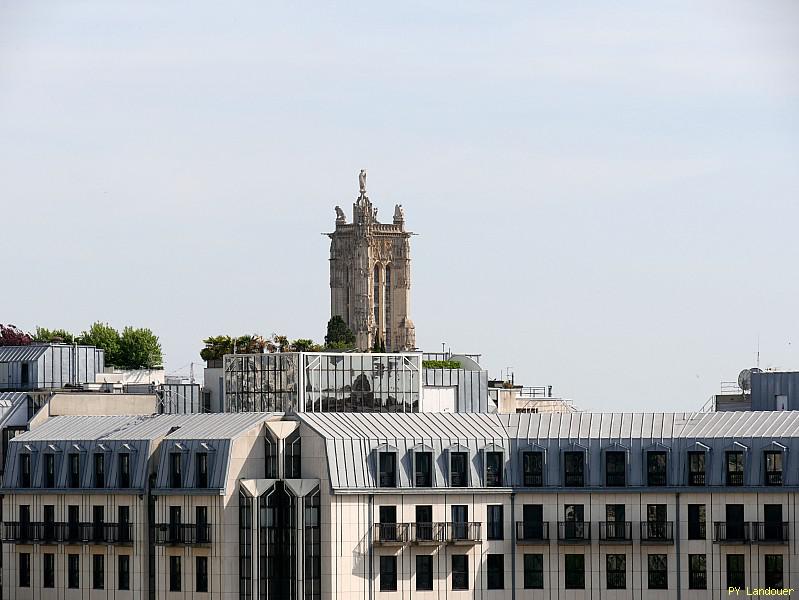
(387, 310)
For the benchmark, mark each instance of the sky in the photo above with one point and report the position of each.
(606, 194)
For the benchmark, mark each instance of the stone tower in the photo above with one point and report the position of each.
(370, 276)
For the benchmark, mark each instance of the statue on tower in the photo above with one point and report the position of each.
(362, 182)
(340, 216)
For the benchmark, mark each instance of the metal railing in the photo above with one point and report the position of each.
(574, 480)
(735, 478)
(427, 533)
(696, 478)
(770, 532)
(532, 531)
(615, 531)
(574, 531)
(533, 479)
(697, 580)
(615, 479)
(69, 533)
(464, 532)
(172, 533)
(737, 532)
(391, 533)
(773, 478)
(657, 532)
(656, 479)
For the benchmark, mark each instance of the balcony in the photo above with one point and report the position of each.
(615, 532)
(167, 534)
(697, 580)
(533, 480)
(532, 532)
(733, 532)
(696, 478)
(615, 479)
(657, 532)
(68, 533)
(770, 533)
(427, 534)
(656, 479)
(773, 478)
(391, 534)
(574, 532)
(464, 533)
(735, 478)
(574, 480)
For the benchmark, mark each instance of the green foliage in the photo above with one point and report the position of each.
(441, 364)
(339, 336)
(102, 335)
(47, 336)
(139, 348)
(217, 346)
(305, 345)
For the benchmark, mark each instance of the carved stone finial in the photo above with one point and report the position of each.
(399, 214)
(362, 182)
(340, 216)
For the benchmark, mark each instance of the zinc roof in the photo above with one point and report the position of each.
(22, 353)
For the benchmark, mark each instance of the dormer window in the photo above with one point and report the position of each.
(74, 470)
(388, 469)
(423, 469)
(532, 469)
(459, 469)
(734, 463)
(615, 468)
(49, 470)
(124, 470)
(773, 467)
(202, 470)
(24, 470)
(656, 463)
(99, 470)
(175, 470)
(696, 468)
(494, 464)
(574, 469)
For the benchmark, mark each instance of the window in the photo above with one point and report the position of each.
(459, 469)
(773, 577)
(615, 468)
(201, 574)
(533, 469)
(124, 470)
(424, 572)
(175, 473)
(175, 521)
(773, 469)
(25, 529)
(98, 523)
(202, 470)
(534, 571)
(575, 571)
(656, 468)
(49, 470)
(48, 570)
(123, 577)
(74, 470)
(615, 524)
(697, 572)
(99, 471)
(98, 572)
(24, 569)
(388, 469)
(123, 520)
(657, 528)
(174, 574)
(696, 468)
(494, 468)
(495, 522)
(657, 576)
(424, 522)
(73, 571)
(460, 572)
(496, 572)
(616, 565)
(24, 374)
(697, 530)
(574, 526)
(49, 523)
(574, 469)
(271, 459)
(388, 573)
(736, 576)
(734, 528)
(73, 522)
(293, 458)
(423, 469)
(460, 521)
(201, 522)
(734, 462)
(24, 470)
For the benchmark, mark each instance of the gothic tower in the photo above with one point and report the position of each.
(370, 276)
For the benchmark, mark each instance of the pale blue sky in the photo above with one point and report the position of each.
(607, 196)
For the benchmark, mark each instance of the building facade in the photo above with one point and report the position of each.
(370, 276)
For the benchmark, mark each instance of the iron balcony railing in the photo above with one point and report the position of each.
(696, 478)
(173, 533)
(574, 531)
(574, 480)
(660, 532)
(617, 580)
(770, 532)
(615, 531)
(391, 533)
(68, 533)
(463, 532)
(697, 580)
(774, 478)
(735, 478)
(533, 479)
(427, 533)
(615, 479)
(731, 532)
(528, 532)
(656, 479)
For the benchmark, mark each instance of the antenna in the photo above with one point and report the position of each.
(758, 351)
